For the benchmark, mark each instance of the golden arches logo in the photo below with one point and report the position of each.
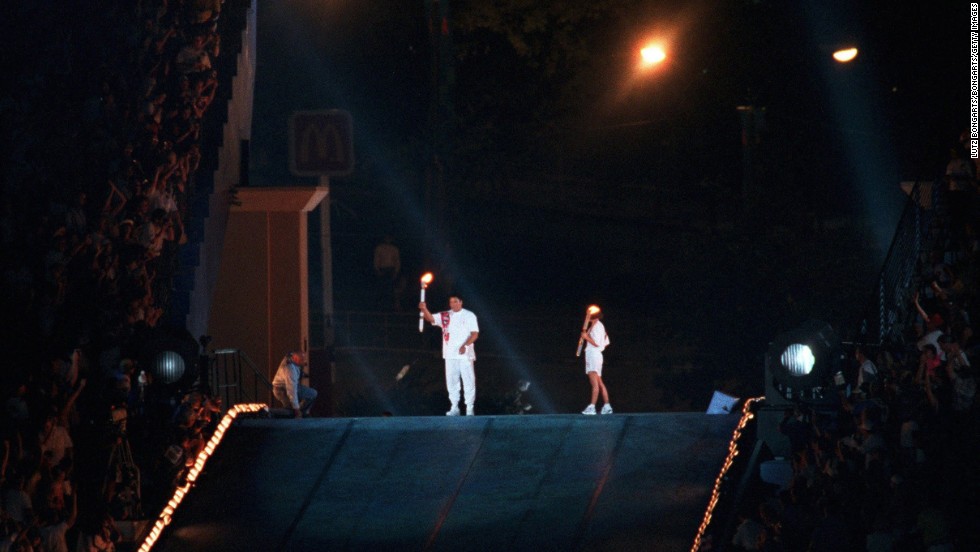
(320, 143)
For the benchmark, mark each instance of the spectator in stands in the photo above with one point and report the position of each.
(151, 115)
(960, 375)
(969, 342)
(54, 527)
(161, 192)
(193, 59)
(771, 538)
(192, 159)
(942, 273)
(932, 525)
(929, 363)
(103, 230)
(748, 534)
(76, 219)
(796, 426)
(54, 441)
(831, 533)
(16, 410)
(934, 324)
(15, 500)
(193, 415)
(102, 536)
(58, 254)
(142, 311)
(13, 536)
(54, 488)
(204, 91)
(155, 232)
(867, 373)
(184, 130)
(202, 11)
(105, 266)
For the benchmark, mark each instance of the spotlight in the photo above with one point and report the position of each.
(800, 364)
(798, 359)
(168, 367)
(171, 355)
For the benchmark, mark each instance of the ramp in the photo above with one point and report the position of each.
(545, 482)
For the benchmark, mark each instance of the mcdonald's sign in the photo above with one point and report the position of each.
(321, 143)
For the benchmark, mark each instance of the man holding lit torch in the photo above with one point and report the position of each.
(459, 331)
(596, 340)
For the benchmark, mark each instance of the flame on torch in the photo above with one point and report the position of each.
(585, 326)
(425, 280)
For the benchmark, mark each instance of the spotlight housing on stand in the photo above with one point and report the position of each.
(168, 367)
(170, 355)
(801, 365)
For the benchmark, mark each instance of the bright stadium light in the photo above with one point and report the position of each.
(800, 364)
(845, 55)
(653, 54)
(798, 359)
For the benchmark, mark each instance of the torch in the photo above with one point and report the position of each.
(424, 281)
(585, 325)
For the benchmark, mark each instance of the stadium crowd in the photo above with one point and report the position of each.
(103, 116)
(892, 463)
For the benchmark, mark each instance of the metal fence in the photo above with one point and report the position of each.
(234, 378)
(891, 307)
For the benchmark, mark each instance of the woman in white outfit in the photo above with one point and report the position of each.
(596, 341)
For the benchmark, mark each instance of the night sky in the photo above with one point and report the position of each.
(569, 178)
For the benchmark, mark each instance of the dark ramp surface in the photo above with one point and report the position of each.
(544, 482)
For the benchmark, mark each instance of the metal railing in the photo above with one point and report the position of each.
(891, 307)
(234, 378)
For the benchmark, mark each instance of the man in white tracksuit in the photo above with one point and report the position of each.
(459, 331)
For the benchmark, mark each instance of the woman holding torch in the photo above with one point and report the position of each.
(596, 341)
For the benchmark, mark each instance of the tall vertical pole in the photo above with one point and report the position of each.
(440, 116)
(326, 271)
(326, 266)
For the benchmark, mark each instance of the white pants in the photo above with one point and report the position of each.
(593, 361)
(460, 369)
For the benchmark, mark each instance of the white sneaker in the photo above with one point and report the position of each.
(589, 410)
(469, 410)
(606, 409)
(454, 411)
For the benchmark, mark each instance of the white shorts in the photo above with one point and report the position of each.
(593, 361)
